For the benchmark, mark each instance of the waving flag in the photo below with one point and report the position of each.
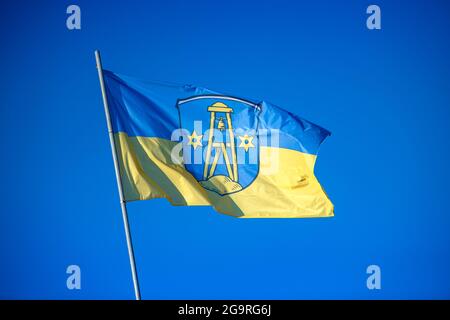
(194, 146)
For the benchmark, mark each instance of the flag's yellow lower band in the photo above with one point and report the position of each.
(285, 186)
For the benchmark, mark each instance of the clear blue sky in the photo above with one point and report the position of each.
(384, 95)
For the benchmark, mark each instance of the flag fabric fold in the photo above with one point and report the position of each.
(193, 146)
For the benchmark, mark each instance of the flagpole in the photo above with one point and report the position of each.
(123, 204)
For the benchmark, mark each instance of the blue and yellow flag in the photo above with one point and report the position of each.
(194, 146)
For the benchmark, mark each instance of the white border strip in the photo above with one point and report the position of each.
(181, 101)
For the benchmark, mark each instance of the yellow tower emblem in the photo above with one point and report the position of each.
(221, 183)
(220, 144)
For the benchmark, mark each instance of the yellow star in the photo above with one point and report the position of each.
(246, 142)
(195, 140)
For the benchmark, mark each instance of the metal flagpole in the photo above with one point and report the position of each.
(119, 180)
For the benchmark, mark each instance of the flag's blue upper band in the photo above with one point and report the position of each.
(148, 109)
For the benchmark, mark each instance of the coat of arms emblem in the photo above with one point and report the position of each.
(220, 144)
